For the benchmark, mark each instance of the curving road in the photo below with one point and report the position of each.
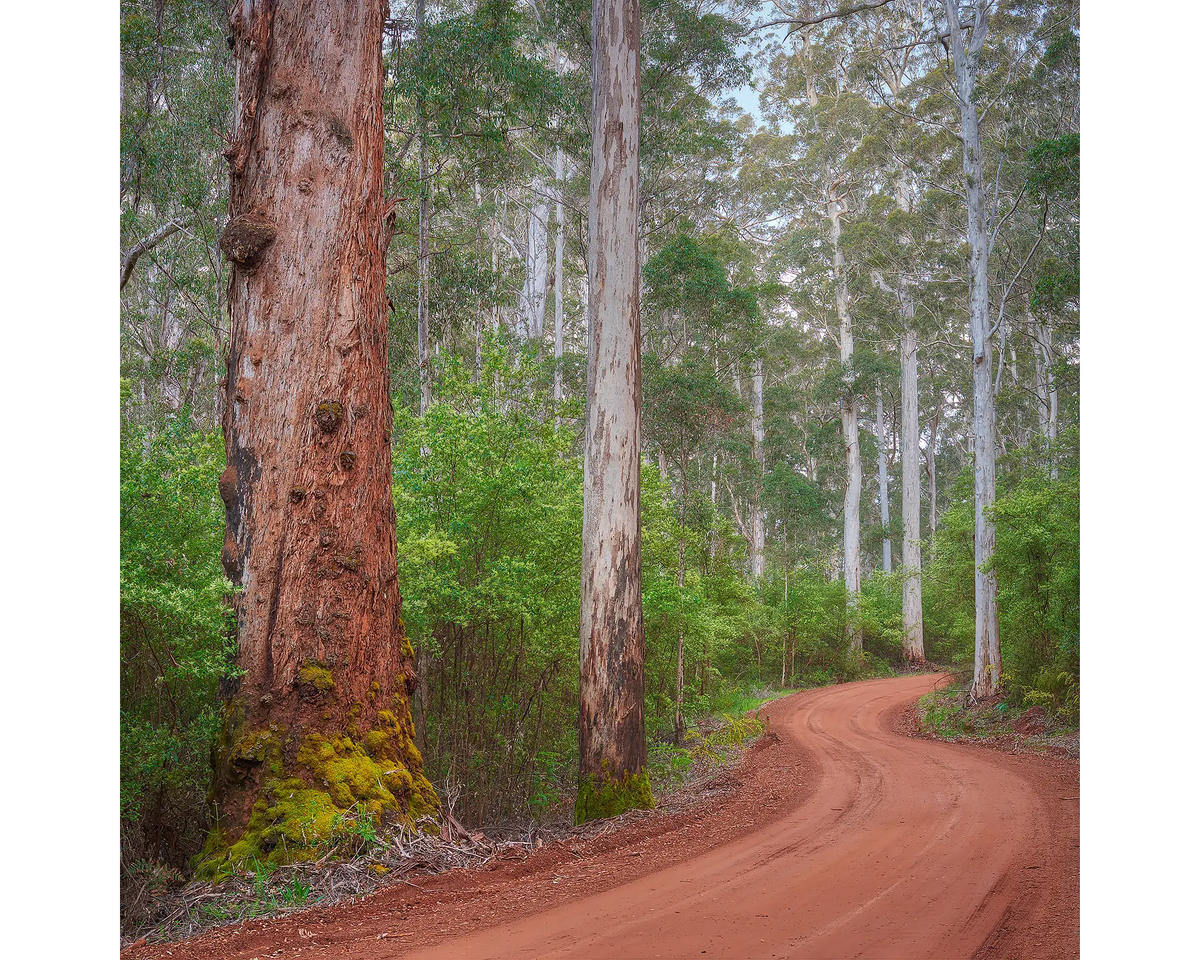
(839, 837)
(906, 848)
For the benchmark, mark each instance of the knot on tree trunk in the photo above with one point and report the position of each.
(245, 237)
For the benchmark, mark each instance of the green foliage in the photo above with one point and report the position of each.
(881, 616)
(1037, 567)
(175, 629)
(489, 506)
(357, 829)
(1037, 570)
(1054, 165)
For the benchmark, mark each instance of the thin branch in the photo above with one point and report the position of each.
(798, 23)
(1021, 269)
(129, 258)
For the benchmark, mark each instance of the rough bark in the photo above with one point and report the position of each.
(612, 739)
(320, 720)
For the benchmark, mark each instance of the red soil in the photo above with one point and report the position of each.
(842, 837)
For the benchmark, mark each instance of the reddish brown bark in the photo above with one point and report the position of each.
(311, 532)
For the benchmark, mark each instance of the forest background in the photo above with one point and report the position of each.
(805, 265)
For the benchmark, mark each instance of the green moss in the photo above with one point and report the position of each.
(317, 677)
(602, 796)
(301, 816)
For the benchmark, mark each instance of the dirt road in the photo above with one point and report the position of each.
(843, 838)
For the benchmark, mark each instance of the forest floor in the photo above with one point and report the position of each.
(838, 835)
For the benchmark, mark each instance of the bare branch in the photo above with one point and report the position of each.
(1021, 269)
(129, 258)
(799, 23)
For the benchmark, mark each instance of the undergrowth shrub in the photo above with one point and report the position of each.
(175, 629)
(1037, 572)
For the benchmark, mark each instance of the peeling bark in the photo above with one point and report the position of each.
(612, 740)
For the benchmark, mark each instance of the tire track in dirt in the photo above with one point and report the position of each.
(845, 839)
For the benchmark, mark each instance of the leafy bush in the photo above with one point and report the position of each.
(489, 501)
(175, 632)
(1037, 571)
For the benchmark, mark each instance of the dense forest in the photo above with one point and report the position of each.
(858, 235)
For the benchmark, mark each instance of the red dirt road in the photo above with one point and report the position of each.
(845, 838)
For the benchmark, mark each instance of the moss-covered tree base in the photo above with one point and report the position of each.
(316, 789)
(600, 796)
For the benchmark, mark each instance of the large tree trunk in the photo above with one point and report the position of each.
(320, 719)
(758, 521)
(987, 632)
(424, 364)
(852, 561)
(679, 728)
(559, 245)
(884, 516)
(612, 736)
(914, 638)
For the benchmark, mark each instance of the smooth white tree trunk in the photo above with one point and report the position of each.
(851, 558)
(758, 520)
(914, 638)
(884, 516)
(983, 420)
(533, 295)
(559, 244)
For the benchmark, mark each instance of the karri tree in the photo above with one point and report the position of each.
(966, 48)
(612, 643)
(318, 721)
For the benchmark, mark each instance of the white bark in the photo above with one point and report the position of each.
(884, 517)
(987, 632)
(931, 472)
(533, 295)
(612, 641)
(1047, 390)
(757, 557)
(914, 638)
(559, 243)
(851, 559)
(424, 367)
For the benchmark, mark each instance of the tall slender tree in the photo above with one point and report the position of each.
(612, 651)
(966, 49)
(319, 719)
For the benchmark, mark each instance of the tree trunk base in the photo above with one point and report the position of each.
(309, 787)
(600, 797)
